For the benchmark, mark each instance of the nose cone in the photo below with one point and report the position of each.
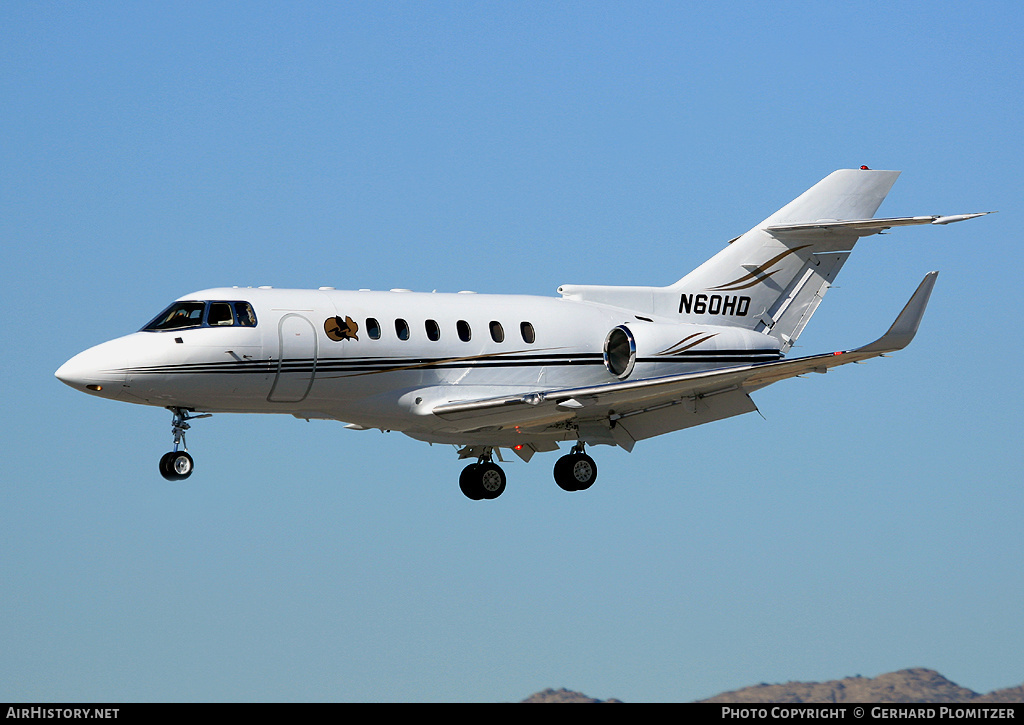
(100, 370)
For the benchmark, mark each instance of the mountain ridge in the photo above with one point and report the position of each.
(915, 684)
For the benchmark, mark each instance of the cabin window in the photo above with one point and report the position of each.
(245, 314)
(465, 334)
(402, 329)
(219, 315)
(433, 331)
(372, 328)
(527, 331)
(497, 333)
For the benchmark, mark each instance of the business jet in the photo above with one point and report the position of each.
(598, 365)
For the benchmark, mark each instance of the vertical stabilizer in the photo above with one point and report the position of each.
(771, 281)
(843, 194)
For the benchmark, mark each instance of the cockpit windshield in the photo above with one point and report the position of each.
(190, 313)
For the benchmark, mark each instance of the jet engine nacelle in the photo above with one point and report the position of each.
(644, 349)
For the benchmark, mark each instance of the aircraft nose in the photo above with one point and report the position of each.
(99, 370)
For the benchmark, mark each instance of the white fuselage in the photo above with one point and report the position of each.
(602, 365)
(386, 359)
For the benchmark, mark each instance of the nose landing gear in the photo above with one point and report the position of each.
(177, 465)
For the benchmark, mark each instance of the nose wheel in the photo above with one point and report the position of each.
(177, 465)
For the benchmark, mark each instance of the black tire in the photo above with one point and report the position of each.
(575, 472)
(469, 482)
(176, 465)
(563, 474)
(165, 466)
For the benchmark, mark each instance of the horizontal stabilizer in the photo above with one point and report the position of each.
(866, 227)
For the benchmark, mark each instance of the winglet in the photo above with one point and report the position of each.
(905, 327)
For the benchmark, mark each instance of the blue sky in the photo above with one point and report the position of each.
(869, 522)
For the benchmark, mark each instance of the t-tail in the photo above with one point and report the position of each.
(773, 278)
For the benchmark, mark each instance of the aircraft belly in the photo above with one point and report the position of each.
(546, 441)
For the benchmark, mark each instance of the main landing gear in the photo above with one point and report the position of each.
(485, 480)
(177, 465)
(575, 471)
(482, 480)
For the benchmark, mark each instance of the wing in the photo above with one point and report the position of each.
(623, 413)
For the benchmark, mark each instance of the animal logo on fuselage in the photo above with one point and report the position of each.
(338, 329)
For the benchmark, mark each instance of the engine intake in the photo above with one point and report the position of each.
(620, 352)
(644, 349)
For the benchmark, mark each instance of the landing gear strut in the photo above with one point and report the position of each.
(483, 479)
(177, 465)
(575, 471)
